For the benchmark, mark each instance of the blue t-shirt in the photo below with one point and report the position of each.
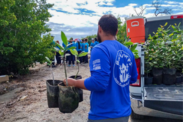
(83, 47)
(57, 47)
(113, 69)
(92, 44)
(86, 47)
(63, 44)
(74, 44)
(96, 42)
(78, 48)
(70, 45)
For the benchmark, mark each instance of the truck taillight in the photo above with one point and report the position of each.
(176, 16)
(138, 82)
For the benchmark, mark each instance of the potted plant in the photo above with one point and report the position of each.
(154, 53)
(182, 75)
(68, 99)
(52, 88)
(148, 67)
(173, 58)
(75, 53)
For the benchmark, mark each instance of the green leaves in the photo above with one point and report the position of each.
(48, 61)
(64, 38)
(74, 52)
(127, 44)
(22, 24)
(133, 47)
(166, 24)
(164, 47)
(61, 52)
(121, 35)
(59, 46)
(82, 54)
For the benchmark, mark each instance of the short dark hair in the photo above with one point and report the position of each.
(96, 39)
(86, 39)
(83, 40)
(109, 24)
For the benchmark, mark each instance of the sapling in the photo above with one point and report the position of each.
(49, 63)
(62, 51)
(75, 53)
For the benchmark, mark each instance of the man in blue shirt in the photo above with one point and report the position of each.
(113, 69)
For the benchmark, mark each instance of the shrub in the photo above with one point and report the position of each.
(20, 39)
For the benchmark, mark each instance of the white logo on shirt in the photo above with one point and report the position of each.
(121, 68)
(96, 64)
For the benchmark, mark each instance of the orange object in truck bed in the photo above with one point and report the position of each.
(136, 29)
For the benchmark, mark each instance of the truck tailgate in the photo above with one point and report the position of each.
(165, 99)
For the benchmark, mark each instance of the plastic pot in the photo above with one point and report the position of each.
(178, 78)
(74, 77)
(157, 75)
(68, 98)
(52, 93)
(148, 80)
(80, 91)
(181, 78)
(169, 76)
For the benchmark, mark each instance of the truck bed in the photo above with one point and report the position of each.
(164, 98)
(168, 93)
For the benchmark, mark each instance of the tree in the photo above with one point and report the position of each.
(6, 17)
(121, 31)
(142, 9)
(21, 43)
(158, 8)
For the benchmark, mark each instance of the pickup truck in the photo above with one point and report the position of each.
(153, 100)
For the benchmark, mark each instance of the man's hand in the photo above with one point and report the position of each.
(71, 82)
(75, 83)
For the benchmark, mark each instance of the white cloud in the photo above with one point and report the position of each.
(171, 2)
(72, 17)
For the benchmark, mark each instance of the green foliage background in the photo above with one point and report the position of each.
(21, 24)
(121, 31)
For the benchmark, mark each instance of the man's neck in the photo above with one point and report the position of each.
(108, 38)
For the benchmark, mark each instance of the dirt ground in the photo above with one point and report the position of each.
(26, 100)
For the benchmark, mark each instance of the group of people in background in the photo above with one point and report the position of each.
(81, 46)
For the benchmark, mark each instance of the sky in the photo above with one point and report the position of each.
(79, 18)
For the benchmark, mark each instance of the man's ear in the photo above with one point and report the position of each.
(99, 29)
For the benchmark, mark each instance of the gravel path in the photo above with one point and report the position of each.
(29, 103)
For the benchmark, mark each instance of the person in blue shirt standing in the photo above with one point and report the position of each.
(113, 69)
(86, 45)
(74, 44)
(58, 58)
(71, 57)
(92, 44)
(79, 49)
(96, 41)
(83, 50)
(67, 52)
(53, 44)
